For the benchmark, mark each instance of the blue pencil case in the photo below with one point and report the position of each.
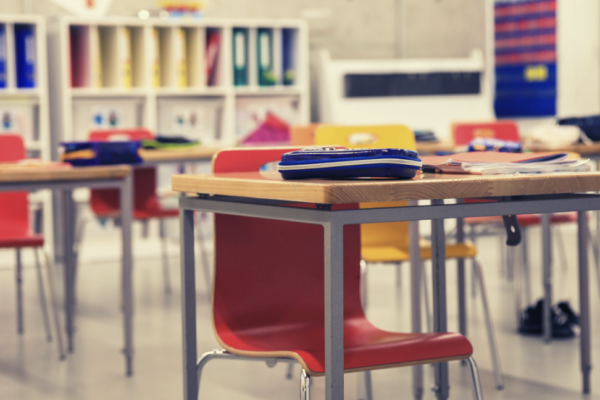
(83, 154)
(332, 163)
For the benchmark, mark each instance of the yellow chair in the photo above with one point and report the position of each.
(389, 242)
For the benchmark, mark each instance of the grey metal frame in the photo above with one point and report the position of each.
(333, 223)
(126, 196)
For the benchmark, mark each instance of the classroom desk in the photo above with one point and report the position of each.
(263, 195)
(65, 181)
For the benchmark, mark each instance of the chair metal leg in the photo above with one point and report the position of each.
(363, 284)
(204, 262)
(223, 354)
(517, 284)
(525, 266)
(490, 330)
(304, 385)
(19, 282)
(42, 295)
(165, 257)
(473, 236)
(477, 392)
(54, 306)
(501, 248)
(426, 298)
(368, 384)
(398, 275)
(561, 248)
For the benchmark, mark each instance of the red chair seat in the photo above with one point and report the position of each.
(21, 241)
(526, 220)
(365, 345)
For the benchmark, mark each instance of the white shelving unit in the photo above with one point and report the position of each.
(25, 110)
(88, 58)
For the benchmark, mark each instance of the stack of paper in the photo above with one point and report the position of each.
(485, 163)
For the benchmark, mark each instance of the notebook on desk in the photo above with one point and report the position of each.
(485, 163)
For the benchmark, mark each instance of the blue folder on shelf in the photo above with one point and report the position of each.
(333, 163)
(25, 52)
(289, 73)
(3, 55)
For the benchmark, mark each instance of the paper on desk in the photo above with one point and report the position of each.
(486, 163)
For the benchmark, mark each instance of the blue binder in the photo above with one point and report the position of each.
(25, 55)
(3, 56)
(332, 163)
(289, 77)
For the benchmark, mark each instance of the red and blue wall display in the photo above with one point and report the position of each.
(525, 51)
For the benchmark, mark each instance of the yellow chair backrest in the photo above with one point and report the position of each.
(376, 136)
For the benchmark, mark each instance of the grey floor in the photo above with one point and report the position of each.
(29, 368)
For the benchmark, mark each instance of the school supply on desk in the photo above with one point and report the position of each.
(213, 44)
(287, 39)
(169, 142)
(3, 54)
(490, 162)
(333, 163)
(25, 51)
(80, 154)
(266, 74)
(240, 57)
(502, 146)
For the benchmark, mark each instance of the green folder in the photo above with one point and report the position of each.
(266, 74)
(240, 57)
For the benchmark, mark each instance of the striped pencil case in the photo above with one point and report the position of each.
(333, 163)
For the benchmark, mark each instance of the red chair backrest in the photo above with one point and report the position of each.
(106, 201)
(14, 209)
(268, 273)
(503, 130)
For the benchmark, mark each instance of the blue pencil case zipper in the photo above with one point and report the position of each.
(332, 163)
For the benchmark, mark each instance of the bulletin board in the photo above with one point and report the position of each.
(525, 58)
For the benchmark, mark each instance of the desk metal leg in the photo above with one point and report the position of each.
(415, 294)
(547, 277)
(68, 264)
(438, 261)
(462, 296)
(188, 305)
(334, 311)
(126, 194)
(584, 300)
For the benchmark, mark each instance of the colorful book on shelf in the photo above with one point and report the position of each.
(213, 44)
(266, 75)
(155, 57)
(25, 52)
(3, 54)
(289, 69)
(95, 57)
(124, 56)
(240, 57)
(180, 55)
(490, 162)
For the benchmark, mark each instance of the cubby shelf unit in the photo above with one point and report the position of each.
(34, 125)
(158, 76)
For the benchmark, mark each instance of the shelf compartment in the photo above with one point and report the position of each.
(195, 118)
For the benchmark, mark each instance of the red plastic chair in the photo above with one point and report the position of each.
(105, 203)
(268, 296)
(16, 232)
